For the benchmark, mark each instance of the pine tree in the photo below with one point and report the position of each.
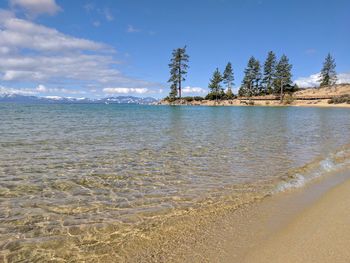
(328, 75)
(178, 70)
(269, 73)
(257, 87)
(173, 91)
(228, 79)
(283, 75)
(229, 94)
(251, 81)
(215, 84)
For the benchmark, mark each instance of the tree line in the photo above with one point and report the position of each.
(273, 78)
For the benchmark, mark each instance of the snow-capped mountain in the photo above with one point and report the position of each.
(18, 98)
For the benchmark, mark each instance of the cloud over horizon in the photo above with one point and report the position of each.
(189, 89)
(313, 80)
(33, 53)
(125, 90)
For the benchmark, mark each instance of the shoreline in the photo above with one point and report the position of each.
(309, 97)
(258, 103)
(239, 234)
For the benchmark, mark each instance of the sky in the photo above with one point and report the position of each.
(102, 48)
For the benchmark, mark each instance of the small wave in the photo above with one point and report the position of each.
(298, 181)
(300, 177)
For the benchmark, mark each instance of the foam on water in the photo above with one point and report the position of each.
(315, 170)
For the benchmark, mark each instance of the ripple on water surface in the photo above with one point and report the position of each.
(80, 181)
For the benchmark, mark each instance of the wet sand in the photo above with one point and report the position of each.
(321, 233)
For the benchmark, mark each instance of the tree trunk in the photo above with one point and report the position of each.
(281, 98)
(180, 77)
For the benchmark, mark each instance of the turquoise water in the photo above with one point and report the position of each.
(78, 180)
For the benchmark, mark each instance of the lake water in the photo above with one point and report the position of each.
(78, 182)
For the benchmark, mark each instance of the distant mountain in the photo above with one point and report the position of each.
(17, 98)
(127, 100)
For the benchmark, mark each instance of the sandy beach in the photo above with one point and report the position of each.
(323, 103)
(309, 224)
(334, 91)
(321, 233)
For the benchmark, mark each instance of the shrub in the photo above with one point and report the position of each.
(340, 99)
(188, 99)
(220, 96)
(288, 99)
(169, 99)
(198, 98)
(211, 96)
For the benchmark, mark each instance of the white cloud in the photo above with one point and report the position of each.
(313, 80)
(132, 29)
(20, 33)
(189, 89)
(53, 97)
(344, 77)
(125, 90)
(37, 7)
(41, 88)
(9, 91)
(57, 59)
(310, 81)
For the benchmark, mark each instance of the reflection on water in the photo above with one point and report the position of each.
(77, 180)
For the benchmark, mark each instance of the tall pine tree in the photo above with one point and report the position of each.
(328, 76)
(228, 79)
(215, 84)
(269, 72)
(251, 81)
(257, 78)
(178, 70)
(283, 76)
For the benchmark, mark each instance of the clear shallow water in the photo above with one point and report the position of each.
(79, 181)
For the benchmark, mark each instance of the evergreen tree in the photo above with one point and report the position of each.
(283, 75)
(251, 81)
(215, 84)
(173, 91)
(229, 94)
(228, 79)
(269, 73)
(178, 70)
(257, 87)
(328, 75)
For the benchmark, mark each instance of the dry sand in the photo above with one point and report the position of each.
(337, 90)
(320, 234)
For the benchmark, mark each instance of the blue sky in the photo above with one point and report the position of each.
(101, 48)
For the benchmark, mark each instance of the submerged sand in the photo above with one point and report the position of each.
(309, 224)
